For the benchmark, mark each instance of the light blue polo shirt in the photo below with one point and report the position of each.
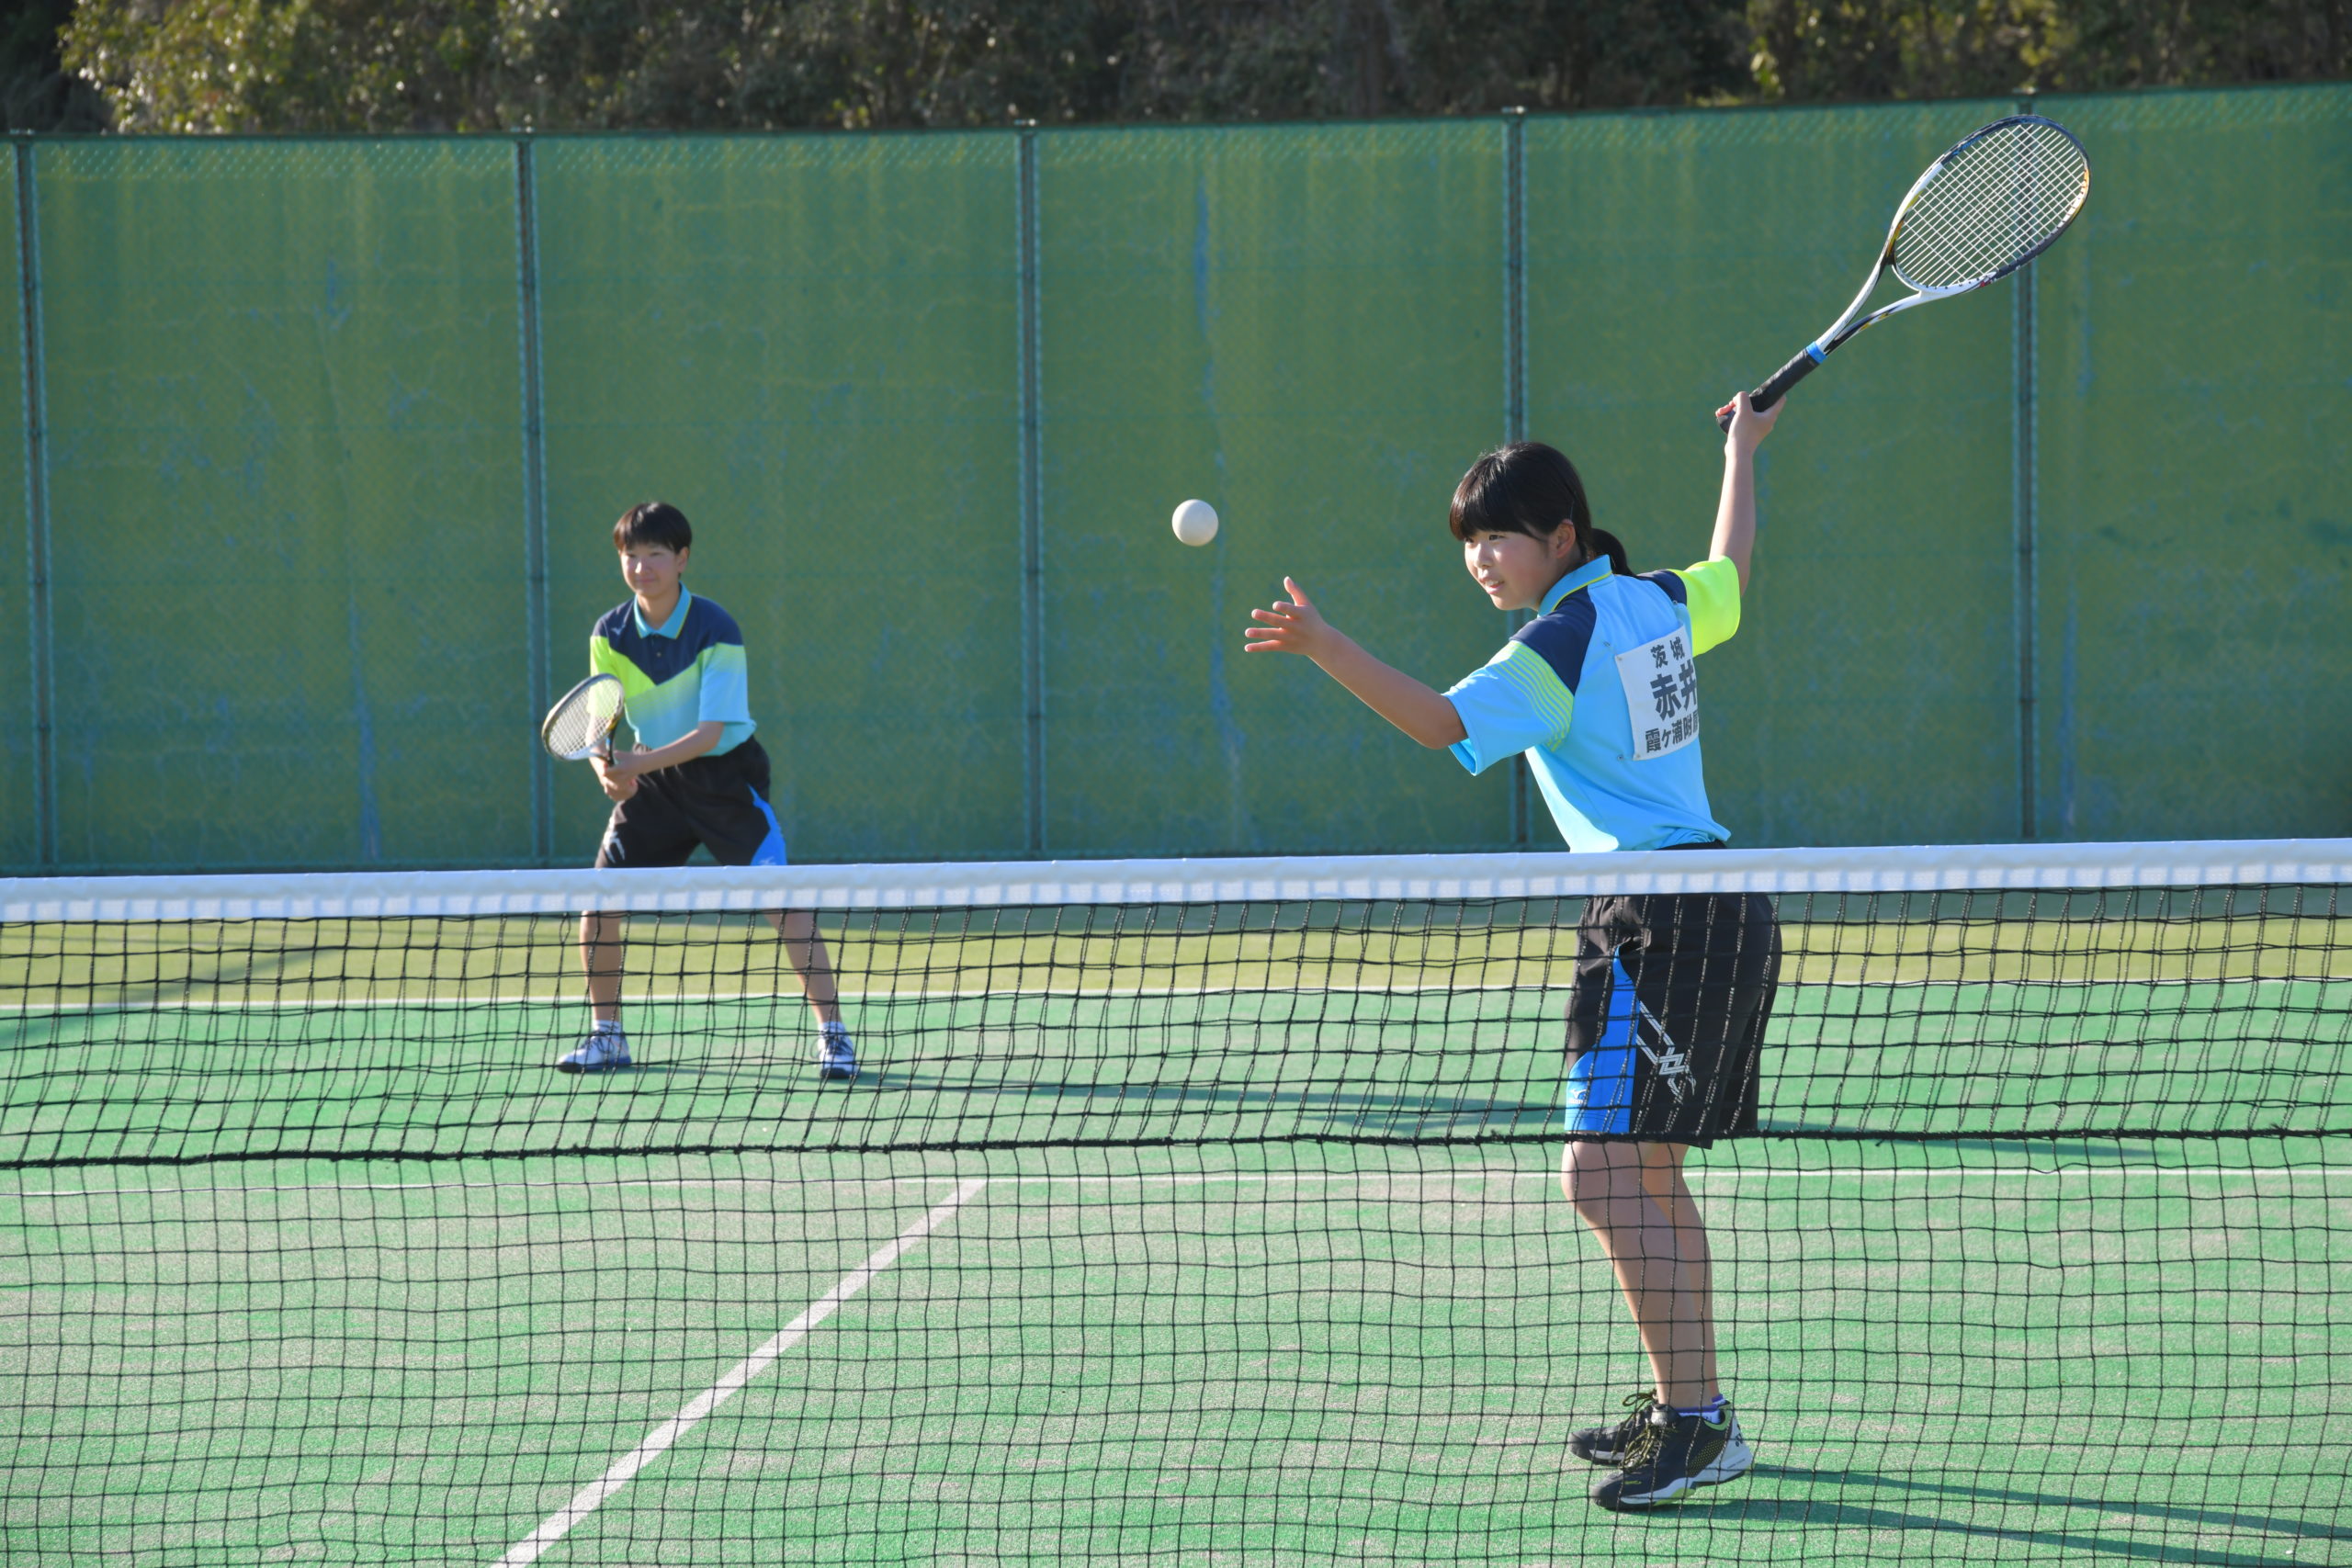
(1602, 693)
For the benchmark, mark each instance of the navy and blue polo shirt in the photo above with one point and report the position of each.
(1600, 692)
(690, 669)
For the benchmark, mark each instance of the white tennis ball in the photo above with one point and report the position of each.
(1195, 521)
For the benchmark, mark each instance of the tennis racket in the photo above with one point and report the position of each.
(1984, 209)
(580, 724)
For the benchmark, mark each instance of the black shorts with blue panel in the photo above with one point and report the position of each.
(1666, 1016)
(719, 801)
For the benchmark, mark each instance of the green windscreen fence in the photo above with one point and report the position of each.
(2195, 357)
(807, 343)
(1871, 692)
(1302, 326)
(287, 583)
(320, 443)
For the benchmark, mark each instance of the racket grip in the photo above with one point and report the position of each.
(1777, 385)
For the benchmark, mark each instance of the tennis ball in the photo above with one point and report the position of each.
(1195, 521)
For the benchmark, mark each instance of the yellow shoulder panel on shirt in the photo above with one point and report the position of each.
(1714, 587)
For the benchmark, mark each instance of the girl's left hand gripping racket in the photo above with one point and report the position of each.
(1991, 204)
(580, 724)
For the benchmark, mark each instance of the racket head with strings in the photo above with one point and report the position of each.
(580, 722)
(1999, 197)
(1990, 203)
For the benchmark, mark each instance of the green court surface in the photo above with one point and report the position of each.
(1248, 1250)
(1943, 1352)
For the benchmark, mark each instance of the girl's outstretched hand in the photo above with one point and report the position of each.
(1293, 625)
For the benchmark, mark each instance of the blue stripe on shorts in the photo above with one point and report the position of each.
(770, 850)
(1601, 1082)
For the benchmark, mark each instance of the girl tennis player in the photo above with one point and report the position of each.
(1666, 1010)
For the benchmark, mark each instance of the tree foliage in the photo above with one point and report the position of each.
(385, 65)
(36, 93)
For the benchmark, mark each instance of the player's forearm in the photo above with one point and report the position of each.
(1736, 513)
(1417, 709)
(685, 748)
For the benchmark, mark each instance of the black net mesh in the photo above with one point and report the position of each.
(1155, 1231)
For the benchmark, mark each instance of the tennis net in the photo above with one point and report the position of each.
(1178, 1212)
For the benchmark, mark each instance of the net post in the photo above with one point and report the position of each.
(39, 625)
(1515, 376)
(2023, 528)
(1033, 527)
(535, 487)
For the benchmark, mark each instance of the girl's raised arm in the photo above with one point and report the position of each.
(1736, 514)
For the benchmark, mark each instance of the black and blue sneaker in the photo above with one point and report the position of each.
(1670, 1455)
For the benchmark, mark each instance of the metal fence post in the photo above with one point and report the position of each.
(39, 625)
(2023, 526)
(1515, 379)
(535, 496)
(1033, 509)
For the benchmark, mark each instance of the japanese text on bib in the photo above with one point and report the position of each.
(1661, 695)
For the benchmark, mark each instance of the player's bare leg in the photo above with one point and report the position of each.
(600, 961)
(601, 949)
(1662, 1179)
(1659, 1253)
(1683, 1434)
(805, 949)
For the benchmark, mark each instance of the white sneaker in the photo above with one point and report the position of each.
(604, 1048)
(836, 1057)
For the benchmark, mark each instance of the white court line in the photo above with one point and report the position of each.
(559, 1524)
(1205, 1178)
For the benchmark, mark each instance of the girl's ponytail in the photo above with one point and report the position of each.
(1604, 543)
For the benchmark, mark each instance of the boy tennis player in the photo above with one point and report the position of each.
(695, 776)
(1668, 1007)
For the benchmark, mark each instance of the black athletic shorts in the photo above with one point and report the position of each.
(1666, 1015)
(720, 801)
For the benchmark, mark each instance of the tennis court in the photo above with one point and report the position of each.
(1351, 1356)
(1151, 1240)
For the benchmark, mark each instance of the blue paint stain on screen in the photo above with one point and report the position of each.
(1229, 738)
(2066, 722)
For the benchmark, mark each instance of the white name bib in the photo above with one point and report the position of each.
(1661, 683)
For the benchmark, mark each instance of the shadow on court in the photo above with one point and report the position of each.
(1762, 1503)
(2050, 1151)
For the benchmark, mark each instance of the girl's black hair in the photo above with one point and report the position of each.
(654, 523)
(1529, 488)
